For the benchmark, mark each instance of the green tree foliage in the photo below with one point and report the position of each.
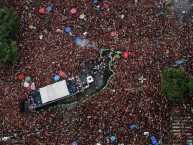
(174, 83)
(190, 85)
(9, 24)
(8, 52)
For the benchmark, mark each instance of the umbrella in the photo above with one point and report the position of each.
(46, 20)
(49, 8)
(154, 140)
(180, 62)
(146, 133)
(32, 27)
(113, 33)
(118, 54)
(68, 29)
(29, 86)
(85, 33)
(33, 86)
(62, 74)
(73, 11)
(26, 84)
(41, 10)
(37, 129)
(112, 138)
(41, 36)
(77, 39)
(132, 126)
(126, 54)
(59, 31)
(27, 78)
(74, 143)
(107, 6)
(21, 76)
(82, 16)
(56, 77)
(95, 1)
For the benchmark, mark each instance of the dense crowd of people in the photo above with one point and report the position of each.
(150, 28)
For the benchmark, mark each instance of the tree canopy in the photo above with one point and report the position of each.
(8, 52)
(190, 85)
(9, 24)
(174, 83)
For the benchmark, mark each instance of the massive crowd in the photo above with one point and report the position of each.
(159, 38)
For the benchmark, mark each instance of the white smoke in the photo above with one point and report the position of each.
(84, 43)
(181, 6)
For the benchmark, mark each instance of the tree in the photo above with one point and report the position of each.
(174, 83)
(190, 85)
(9, 24)
(8, 52)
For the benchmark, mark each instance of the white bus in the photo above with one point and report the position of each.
(49, 94)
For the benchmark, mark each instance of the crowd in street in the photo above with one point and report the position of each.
(148, 28)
